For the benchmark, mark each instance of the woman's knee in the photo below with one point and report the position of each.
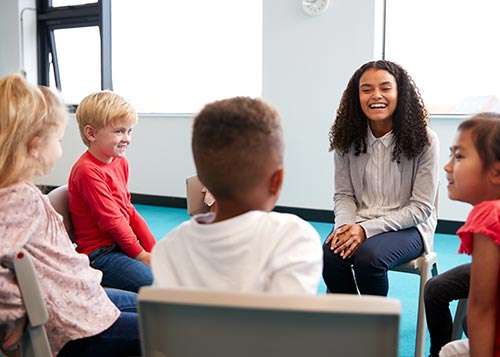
(328, 255)
(367, 259)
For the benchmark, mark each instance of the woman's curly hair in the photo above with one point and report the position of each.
(409, 119)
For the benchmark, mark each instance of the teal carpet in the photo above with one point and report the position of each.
(402, 286)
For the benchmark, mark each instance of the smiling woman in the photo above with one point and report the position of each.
(386, 178)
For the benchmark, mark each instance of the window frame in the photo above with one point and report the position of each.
(51, 18)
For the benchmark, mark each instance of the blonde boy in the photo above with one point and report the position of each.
(237, 147)
(107, 226)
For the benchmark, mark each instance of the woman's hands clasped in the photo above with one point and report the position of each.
(346, 239)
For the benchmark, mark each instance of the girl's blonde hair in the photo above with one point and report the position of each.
(104, 108)
(26, 112)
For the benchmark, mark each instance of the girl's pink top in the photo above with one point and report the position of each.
(483, 219)
(77, 304)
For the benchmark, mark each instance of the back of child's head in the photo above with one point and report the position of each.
(485, 131)
(27, 112)
(236, 142)
(104, 108)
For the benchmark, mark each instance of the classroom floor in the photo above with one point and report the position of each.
(402, 286)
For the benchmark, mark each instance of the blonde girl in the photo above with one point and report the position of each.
(84, 319)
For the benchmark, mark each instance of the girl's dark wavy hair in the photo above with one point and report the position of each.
(410, 118)
(485, 130)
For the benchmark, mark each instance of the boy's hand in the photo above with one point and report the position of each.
(144, 257)
(10, 336)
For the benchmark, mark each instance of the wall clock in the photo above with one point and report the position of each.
(315, 7)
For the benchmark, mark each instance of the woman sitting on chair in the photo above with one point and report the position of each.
(386, 178)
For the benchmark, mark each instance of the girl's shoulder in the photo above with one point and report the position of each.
(21, 216)
(20, 194)
(484, 219)
(485, 210)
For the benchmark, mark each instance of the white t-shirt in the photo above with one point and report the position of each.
(253, 252)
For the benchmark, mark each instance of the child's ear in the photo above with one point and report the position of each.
(495, 173)
(89, 132)
(277, 180)
(33, 149)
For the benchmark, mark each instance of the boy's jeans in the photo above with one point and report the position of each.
(119, 270)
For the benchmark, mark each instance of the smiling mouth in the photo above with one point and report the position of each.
(378, 106)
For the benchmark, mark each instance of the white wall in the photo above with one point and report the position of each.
(307, 62)
(12, 36)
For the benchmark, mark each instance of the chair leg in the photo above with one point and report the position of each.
(425, 275)
(457, 320)
(421, 322)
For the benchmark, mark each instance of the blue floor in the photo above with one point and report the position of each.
(402, 286)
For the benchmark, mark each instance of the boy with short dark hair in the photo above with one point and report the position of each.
(237, 147)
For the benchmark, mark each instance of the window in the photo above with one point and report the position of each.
(74, 46)
(79, 58)
(450, 49)
(175, 56)
(167, 56)
(58, 3)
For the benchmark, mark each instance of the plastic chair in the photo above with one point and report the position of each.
(59, 199)
(460, 312)
(426, 267)
(194, 197)
(192, 323)
(34, 342)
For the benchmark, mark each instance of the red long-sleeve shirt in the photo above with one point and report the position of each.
(101, 210)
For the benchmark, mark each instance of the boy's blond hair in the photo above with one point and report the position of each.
(104, 108)
(235, 141)
(26, 112)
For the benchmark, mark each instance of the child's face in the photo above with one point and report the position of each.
(111, 142)
(378, 94)
(50, 151)
(467, 180)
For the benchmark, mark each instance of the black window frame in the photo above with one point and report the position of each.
(51, 18)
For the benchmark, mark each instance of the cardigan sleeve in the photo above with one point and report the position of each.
(344, 198)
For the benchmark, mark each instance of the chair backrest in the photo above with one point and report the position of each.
(59, 199)
(34, 341)
(194, 197)
(190, 323)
